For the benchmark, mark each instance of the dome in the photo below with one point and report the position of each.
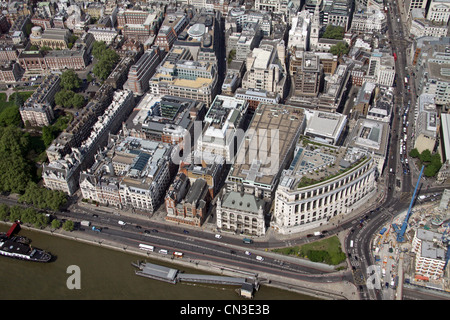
(197, 30)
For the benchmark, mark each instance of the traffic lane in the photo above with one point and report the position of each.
(204, 250)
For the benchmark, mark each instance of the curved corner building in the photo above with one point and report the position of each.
(322, 182)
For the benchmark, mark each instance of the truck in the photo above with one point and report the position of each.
(85, 223)
(97, 229)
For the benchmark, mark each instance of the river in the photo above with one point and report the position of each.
(105, 274)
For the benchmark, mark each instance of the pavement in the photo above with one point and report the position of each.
(325, 290)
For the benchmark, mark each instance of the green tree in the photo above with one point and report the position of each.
(18, 100)
(68, 225)
(10, 116)
(49, 134)
(15, 168)
(414, 153)
(56, 224)
(70, 80)
(334, 32)
(78, 101)
(425, 156)
(4, 212)
(430, 171)
(340, 48)
(436, 161)
(64, 97)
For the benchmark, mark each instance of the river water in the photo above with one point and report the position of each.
(106, 274)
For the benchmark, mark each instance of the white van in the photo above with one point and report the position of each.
(259, 258)
(163, 251)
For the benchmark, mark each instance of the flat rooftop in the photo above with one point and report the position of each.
(272, 133)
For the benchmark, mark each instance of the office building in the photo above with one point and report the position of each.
(322, 184)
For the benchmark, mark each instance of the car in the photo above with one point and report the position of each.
(259, 258)
(95, 215)
(138, 227)
(218, 236)
(248, 253)
(185, 231)
(146, 231)
(154, 230)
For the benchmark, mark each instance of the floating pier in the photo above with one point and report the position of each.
(157, 272)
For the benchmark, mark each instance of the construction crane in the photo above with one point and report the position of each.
(401, 232)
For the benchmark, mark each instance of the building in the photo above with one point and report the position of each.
(256, 96)
(338, 13)
(186, 202)
(53, 38)
(63, 173)
(264, 71)
(196, 80)
(168, 119)
(105, 34)
(223, 125)
(141, 72)
(132, 173)
(10, 72)
(382, 107)
(267, 148)
(245, 41)
(201, 36)
(422, 27)
(368, 20)
(172, 26)
(382, 68)
(430, 254)
(372, 137)
(432, 65)
(426, 127)
(324, 127)
(322, 184)
(299, 32)
(38, 109)
(241, 213)
(138, 24)
(66, 59)
(308, 79)
(439, 11)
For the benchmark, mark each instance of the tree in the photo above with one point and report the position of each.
(68, 225)
(334, 32)
(4, 212)
(18, 100)
(430, 171)
(414, 153)
(70, 80)
(436, 161)
(64, 98)
(48, 135)
(56, 224)
(425, 156)
(15, 168)
(78, 101)
(340, 48)
(10, 116)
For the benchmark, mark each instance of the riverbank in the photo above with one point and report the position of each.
(319, 290)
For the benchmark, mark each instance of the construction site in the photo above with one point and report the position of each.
(412, 250)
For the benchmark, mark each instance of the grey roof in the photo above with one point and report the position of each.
(243, 202)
